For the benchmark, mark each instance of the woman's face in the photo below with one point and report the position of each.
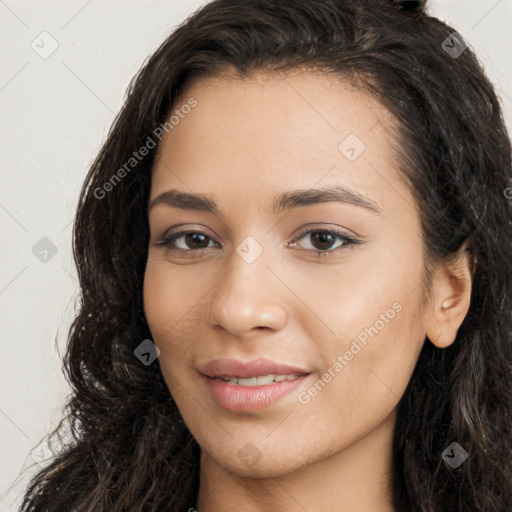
(328, 285)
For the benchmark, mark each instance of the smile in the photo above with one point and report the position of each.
(251, 394)
(259, 380)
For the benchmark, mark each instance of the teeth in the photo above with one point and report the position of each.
(259, 380)
(252, 381)
(266, 379)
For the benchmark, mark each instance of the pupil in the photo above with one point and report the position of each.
(323, 237)
(191, 238)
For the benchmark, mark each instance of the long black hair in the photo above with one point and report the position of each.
(129, 448)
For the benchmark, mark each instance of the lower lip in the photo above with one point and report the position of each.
(243, 398)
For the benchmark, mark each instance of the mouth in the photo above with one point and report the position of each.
(254, 393)
(250, 386)
(259, 380)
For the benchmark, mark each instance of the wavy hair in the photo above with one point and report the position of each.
(129, 448)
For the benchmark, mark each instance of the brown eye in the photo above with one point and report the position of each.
(187, 241)
(323, 238)
(196, 240)
(321, 241)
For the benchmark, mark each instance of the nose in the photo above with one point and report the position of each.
(246, 299)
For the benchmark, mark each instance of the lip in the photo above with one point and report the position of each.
(234, 397)
(234, 368)
(240, 398)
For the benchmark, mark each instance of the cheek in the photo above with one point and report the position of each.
(373, 312)
(346, 298)
(174, 312)
(376, 368)
(167, 307)
(169, 296)
(158, 300)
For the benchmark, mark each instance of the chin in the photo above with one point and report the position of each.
(251, 462)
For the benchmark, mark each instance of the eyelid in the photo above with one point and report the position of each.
(349, 240)
(168, 237)
(183, 229)
(324, 228)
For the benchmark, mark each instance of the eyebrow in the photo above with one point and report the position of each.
(280, 203)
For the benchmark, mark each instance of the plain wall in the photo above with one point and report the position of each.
(56, 111)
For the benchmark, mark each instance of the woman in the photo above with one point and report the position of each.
(339, 338)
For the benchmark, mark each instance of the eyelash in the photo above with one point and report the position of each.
(348, 241)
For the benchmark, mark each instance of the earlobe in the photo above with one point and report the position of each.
(451, 297)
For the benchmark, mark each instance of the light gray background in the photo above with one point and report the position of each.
(56, 112)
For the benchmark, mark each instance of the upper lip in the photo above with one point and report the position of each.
(234, 368)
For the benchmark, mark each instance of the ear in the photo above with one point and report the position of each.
(450, 297)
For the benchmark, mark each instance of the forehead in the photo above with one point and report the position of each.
(307, 93)
(275, 130)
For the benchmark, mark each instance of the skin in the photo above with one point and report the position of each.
(244, 142)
